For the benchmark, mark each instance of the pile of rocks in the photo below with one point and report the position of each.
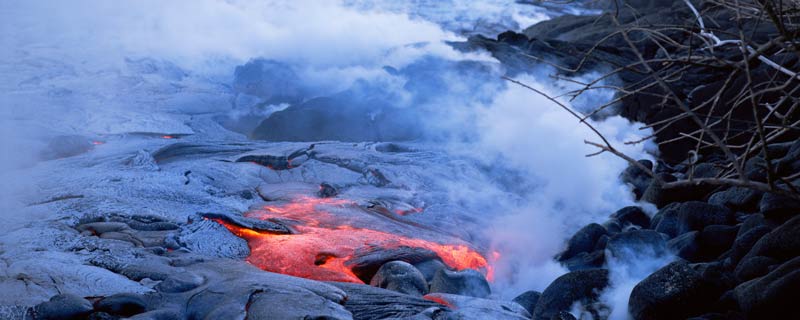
(737, 251)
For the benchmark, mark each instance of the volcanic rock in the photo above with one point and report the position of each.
(179, 282)
(429, 268)
(772, 296)
(367, 302)
(630, 245)
(781, 244)
(210, 238)
(677, 218)
(123, 304)
(686, 246)
(737, 199)
(402, 277)
(563, 315)
(528, 300)
(469, 308)
(327, 190)
(675, 291)
(63, 307)
(583, 286)
(745, 241)
(583, 241)
(637, 177)
(585, 260)
(716, 239)
(790, 162)
(466, 282)
(778, 207)
(632, 215)
(754, 267)
(252, 224)
(366, 263)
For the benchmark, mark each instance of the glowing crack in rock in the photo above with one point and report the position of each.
(322, 249)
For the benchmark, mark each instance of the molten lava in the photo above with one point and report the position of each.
(322, 246)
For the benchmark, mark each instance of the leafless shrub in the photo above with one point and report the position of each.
(748, 112)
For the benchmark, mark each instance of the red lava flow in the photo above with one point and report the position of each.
(321, 248)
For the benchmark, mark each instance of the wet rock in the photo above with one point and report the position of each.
(716, 239)
(63, 307)
(731, 315)
(678, 218)
(391, 147)
(632, 215)
(528, 300)
(469, 308)
(630, 245)
(737, 199)
(102, 316)
(686, 246)
(745, 241)
(182, 150)
(717, 274)
(269, 161)
(401, 277)
(123, 304)
(754, 267)
(583, 241)
(99, 228)
(429, 268)
(602, 243)
(778, 207)
(253, 224)
(612, 226)
(180, 282)
(346, 116)
(376, 177)
(781, 244)
(585, 260)
(583, 286)
(790, 162)
(756, 220)
(367, 302)
(675, 291)
(122, 236)
(236, 290)
(269, 304)
(513, 38)
(168, 314)
(212, 239)
(637, 177)
(563, 315)
(466, 282)
(366, 263)
(772, 296)
(327, 190)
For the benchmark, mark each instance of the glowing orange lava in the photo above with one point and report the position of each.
(167, 137)
(322, 246)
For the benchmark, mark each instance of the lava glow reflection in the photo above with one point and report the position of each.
(321, 248)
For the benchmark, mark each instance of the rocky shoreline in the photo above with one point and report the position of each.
(734, 250)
